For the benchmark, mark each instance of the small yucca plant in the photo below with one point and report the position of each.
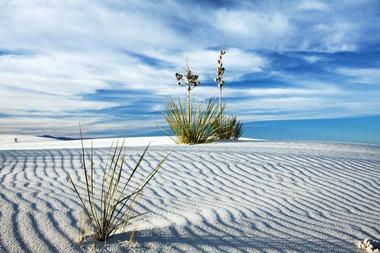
(229, 128)
(109, 208)
(198, 125)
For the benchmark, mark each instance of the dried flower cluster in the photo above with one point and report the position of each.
(190, 78)
(220, 70)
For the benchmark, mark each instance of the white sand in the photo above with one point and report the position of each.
(32, 142)
(248, 196)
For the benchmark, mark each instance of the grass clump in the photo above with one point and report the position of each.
(229, 128)
(193, 125)
(109, 208)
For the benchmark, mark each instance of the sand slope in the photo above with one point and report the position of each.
(225, 197)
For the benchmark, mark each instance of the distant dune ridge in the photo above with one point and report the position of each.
(246, 196)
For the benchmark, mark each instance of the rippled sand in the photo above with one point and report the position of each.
(227, 197)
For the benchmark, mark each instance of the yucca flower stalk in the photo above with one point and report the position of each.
(191, 80)
(219, 76)
(228, 126)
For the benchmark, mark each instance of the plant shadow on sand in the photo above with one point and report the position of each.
(170, 239)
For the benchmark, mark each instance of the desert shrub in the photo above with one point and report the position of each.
(206, 122)
(193, 125)
(228, 128)
(109, 208)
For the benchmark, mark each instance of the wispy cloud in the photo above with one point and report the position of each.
(313, 6)
(369, 76)
(110, 64)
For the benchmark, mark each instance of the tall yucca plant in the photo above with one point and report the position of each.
(219, 76)
(198, 125)
(112, 211)
(190, 80)
(228, 126)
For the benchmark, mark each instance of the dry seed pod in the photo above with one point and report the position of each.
(190, 80)
(178, 76)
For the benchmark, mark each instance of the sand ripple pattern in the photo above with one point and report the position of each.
(246, 197)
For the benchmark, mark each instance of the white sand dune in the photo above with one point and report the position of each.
(248, 196)
(9, 139)
(33, 142)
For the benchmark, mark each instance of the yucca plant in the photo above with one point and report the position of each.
(109, 208)
(197, 125)
(205, 123)
(229, 128)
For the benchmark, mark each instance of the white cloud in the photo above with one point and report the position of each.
(337, 36)
(313, 5)
(362, 75)
(203, 62)
(58, 81)
(300, 107)
(80, 25)
(59, 52)
(70, 126)
(312, 58)
(253, 27)
(20, 102)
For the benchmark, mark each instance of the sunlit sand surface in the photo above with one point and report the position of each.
(246, 196)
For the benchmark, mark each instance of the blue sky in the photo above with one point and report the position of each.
(110, 64)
